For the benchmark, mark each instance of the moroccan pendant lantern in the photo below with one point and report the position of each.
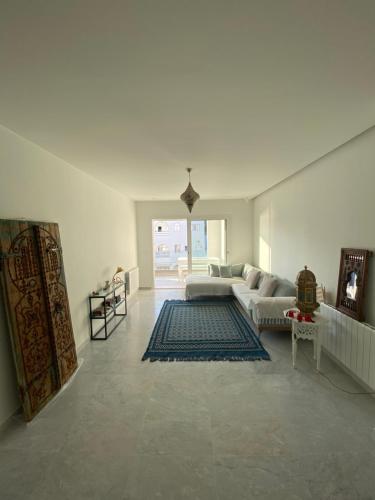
(306, 292)
(189, 196)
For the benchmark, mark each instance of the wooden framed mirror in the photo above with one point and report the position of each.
(352, 282)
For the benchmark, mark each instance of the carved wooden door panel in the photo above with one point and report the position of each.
(42, 338)
(31, 342)
(60, 324)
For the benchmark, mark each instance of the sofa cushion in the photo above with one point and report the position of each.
(214, 270)
(263, 276)
(246, 269)
(285, 289)
(268, 286)
(225, 271)
(206, 286)
(252, 278)
(240, 288)
(243, 294)
(244, 299)
(237, 270)
(270, 310)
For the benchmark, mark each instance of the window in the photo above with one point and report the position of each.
(161, 227)
(177, 248)
(163, 248)
(177, 227)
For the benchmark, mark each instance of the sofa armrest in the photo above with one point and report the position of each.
(270, 307)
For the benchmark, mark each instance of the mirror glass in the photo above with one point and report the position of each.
(351, 285)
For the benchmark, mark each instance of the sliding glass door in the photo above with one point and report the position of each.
(170, 248)
(208, 244)
(182, 247)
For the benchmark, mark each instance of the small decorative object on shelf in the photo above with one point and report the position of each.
(106, 285)
(295, 314)
(321, 294)
(98, 312)
(104, 306)
(115, 278)
(306, 292)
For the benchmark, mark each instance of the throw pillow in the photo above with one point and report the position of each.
(268, 286)
(237, 270)
(262, 277)
(285, 289)
(214, 270)
(246, 269)
(252, 278)
(225, 271)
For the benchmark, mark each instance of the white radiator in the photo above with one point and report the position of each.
(132, 280)
(351, 342)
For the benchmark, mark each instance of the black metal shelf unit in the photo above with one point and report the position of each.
(107, 310)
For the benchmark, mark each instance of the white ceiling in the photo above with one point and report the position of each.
(244, 92)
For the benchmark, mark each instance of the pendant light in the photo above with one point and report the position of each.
(189, 196)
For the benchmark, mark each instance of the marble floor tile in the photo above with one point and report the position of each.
(127, 429)
(263, 478)
(85, 474)
(334, 476)
(175, 437)
(170, 478)
(21, 470)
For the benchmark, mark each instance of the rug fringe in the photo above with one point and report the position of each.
(172, 358)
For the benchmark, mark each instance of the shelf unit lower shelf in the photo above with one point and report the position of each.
(109, 313)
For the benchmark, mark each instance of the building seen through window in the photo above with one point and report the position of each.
(163, 248)
(171, 246)
(161, 227)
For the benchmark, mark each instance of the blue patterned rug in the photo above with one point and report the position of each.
(203, 330)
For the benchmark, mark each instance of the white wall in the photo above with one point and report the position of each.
(308, 218)
(97, 228)
(237, 213)
(216, 239)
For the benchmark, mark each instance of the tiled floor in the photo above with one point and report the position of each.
(124, 429)
(169, 282)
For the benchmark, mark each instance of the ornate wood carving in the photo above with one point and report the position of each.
(56, 297)
(352, 282)
(41, 331)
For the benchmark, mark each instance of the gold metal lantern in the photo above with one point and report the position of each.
(189, 196)
(306, 292)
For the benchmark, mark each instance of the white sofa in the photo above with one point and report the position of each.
(198, 264)
(209, 286)
(266, 313)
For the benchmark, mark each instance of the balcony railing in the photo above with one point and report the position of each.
(162, 255)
